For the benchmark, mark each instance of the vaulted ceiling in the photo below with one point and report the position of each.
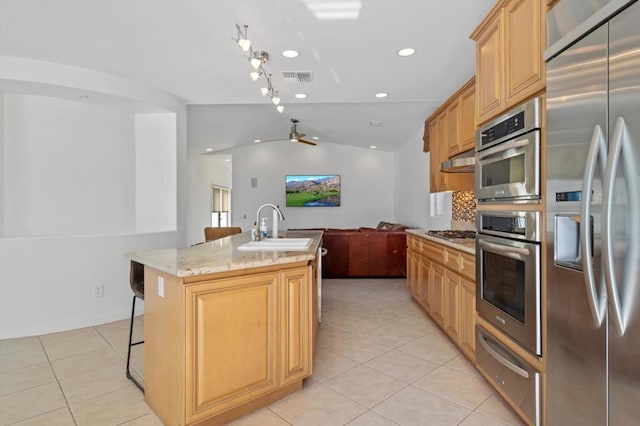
(186, 48)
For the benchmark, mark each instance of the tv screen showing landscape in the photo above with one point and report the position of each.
(313, 190)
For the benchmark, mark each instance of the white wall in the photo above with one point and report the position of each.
(47, 281)
(366, 183)
(204, 170)
(70, 165)
(155, 172)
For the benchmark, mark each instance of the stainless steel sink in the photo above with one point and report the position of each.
(277, 244)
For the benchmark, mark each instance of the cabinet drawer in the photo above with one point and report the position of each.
(468, 266)
(433, 252)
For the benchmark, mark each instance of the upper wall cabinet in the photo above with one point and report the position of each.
(509, 65)
(450, 130)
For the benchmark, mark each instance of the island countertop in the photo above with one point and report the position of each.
(223, 255)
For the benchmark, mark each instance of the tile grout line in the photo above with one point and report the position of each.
(75, 422)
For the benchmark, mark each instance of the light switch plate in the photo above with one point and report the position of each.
(161, 286)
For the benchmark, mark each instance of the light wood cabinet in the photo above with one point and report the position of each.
(221, 345)
(467, 125)
(437, 294)
(467, 337)
(453, 118)
(231, 343)
(449, 131)
(442, 280)
(509, 65)
(452, 305)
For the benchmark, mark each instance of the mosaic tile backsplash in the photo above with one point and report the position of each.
(464, 206)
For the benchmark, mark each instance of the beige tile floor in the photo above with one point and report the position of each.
(379, 361)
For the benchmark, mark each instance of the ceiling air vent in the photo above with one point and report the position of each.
(297, 76)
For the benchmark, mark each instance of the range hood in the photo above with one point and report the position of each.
(461, 163)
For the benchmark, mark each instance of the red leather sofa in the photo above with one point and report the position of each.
(365, 252)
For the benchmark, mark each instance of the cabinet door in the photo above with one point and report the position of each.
(523, 44)
(452, 303)
(489, 81)
(453, 118)
(467, 125)
(413, 273)
(426, 276)
(434, 155)
(443, 133)
(295, 325)
(467, 318)
(231, 343)
(437, 290)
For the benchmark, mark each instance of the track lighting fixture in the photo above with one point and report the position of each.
(242, 40)
(258, 58)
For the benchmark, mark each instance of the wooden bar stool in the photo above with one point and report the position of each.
(136, 280)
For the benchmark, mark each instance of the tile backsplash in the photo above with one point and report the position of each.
(463, 206)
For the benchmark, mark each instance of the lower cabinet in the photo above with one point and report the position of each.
(442, 280)
(218, 348)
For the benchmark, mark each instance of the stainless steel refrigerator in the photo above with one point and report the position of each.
(593, 214)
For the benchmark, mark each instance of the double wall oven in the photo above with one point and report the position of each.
(508, 253)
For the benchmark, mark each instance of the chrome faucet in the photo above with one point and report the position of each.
(279, 215)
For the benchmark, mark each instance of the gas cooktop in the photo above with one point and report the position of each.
(450, 235)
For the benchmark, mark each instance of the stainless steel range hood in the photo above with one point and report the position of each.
(461, 163)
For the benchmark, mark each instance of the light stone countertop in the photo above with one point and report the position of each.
(466, 245)
(223, 255)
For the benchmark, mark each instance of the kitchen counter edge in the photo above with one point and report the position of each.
(222, 255)
(422, 233)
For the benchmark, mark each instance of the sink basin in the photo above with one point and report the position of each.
(277, 244)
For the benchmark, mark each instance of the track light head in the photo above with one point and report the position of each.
(280, 108)
(255, 75)
(242, 39)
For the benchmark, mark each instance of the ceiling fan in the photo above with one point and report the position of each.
(294, 136)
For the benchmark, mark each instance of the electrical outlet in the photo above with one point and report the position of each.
(161, 286)
(98, 290)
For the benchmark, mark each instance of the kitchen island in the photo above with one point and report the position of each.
(227, 331)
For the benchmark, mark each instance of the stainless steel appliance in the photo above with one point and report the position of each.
(593, 214)
(508, 274)
(519, 380)
(508, 156)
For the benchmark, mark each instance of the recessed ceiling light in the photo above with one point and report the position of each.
(315, 138)
(227, 160)
(257, 140)
(407, 51)
(209, 149)
(300, 95)
(372, 146)
(381, 95)
(290, 53)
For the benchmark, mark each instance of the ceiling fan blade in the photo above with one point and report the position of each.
(301, 135)
(306, 141)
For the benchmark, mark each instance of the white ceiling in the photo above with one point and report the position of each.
(185, 47)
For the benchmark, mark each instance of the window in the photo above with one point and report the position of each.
(220, 206)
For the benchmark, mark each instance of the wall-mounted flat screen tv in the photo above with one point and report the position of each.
(313, 190)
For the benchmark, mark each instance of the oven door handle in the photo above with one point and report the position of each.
(518, 143)
(507, 251)
(501, 359)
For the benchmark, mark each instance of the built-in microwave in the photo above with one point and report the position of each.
(508, 274)
(508, 156)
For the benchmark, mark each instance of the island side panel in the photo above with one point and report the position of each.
(164, 346)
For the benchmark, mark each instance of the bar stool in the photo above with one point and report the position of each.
(136, 280)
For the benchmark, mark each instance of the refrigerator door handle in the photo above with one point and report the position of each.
(501, 359)
(621, 139)
(597, 150)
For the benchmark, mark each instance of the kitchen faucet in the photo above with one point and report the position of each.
(277, 214)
